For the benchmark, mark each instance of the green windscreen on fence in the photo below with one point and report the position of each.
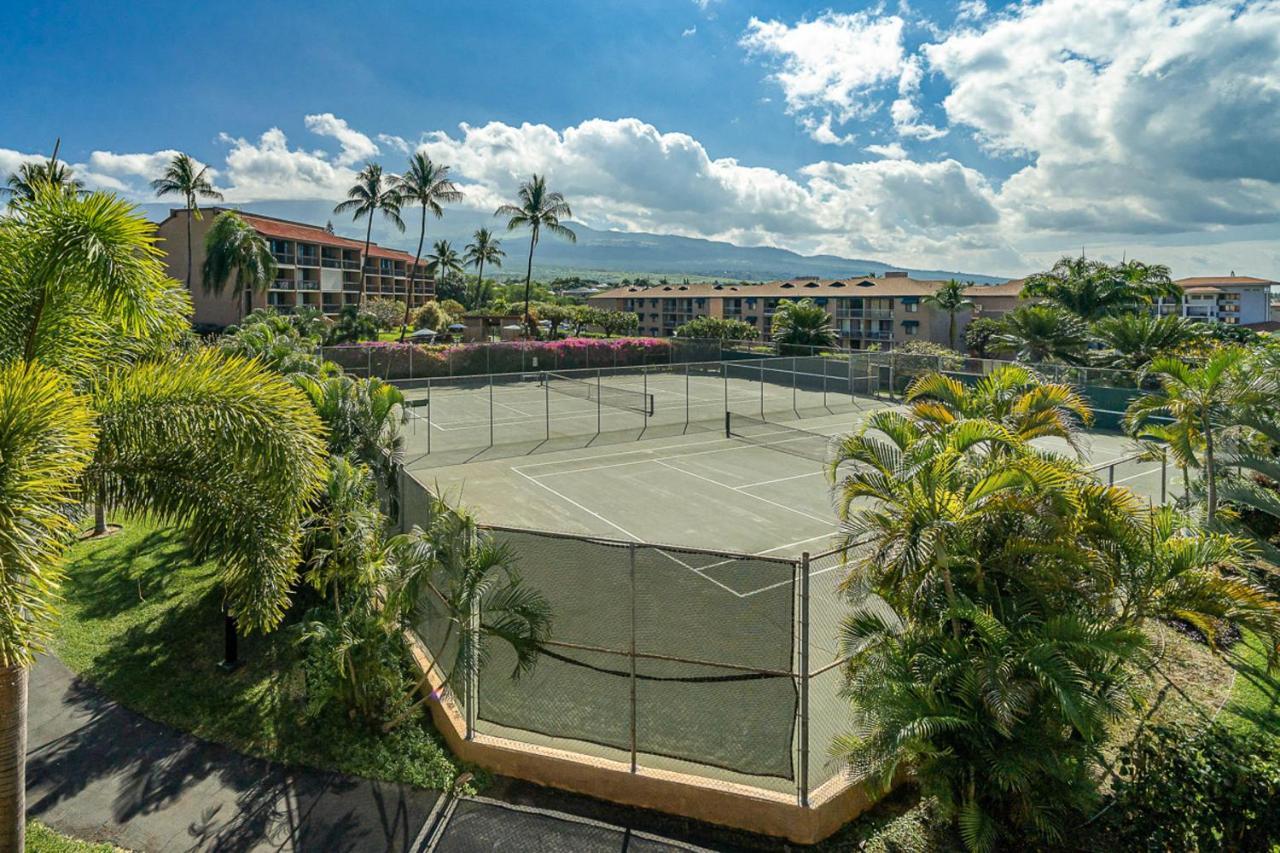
(712, 668)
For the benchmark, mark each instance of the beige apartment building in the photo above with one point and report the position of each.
(316, 268)
(884, 310)
(1232, 299)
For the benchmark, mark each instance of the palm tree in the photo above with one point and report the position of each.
(1200, 402)
(233, 248)
(372, 192)
(482, 249)
(1132, 341)
(443, 261)
(951, 298)
(537, 208)
(20, 186)
(471, 574)
(1038, 333)
(802, 325)
(212, 443)
(426, 184)
(182, 177)
(1092, 289)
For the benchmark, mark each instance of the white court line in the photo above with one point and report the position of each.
(629, 534)
(783, 479)
(748, 494)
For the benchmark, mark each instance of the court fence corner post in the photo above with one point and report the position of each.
(802, 773)
(472, 689)
(1164, 477)
(728, 424)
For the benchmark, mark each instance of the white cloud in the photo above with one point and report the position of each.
(821, 131)
(392, 141)
(834, 64)
(356, 147)
(689, 32)
(970, 10)
(892, 151)
(270, 169)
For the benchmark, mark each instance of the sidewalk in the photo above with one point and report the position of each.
(100, 772)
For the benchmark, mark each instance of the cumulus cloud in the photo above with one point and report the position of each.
(270, 169)
(834, 64)
(689, 32)
(392, 141)
(892, 151)
(356, 147)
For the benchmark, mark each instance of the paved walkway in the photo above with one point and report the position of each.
(100, 772)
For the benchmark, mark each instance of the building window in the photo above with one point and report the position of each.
(911, 307)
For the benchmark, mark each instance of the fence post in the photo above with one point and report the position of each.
(598, 423)
(490, 411)
(473, 677)
(762, 389)
(631, 552)
(429, 407)
(546, 403)
(1164, 476)
(412, 347)
(802, 776)
(644, 418)
(794, 407)
(686, 395)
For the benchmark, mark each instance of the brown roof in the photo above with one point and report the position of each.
(1013, 287)
(287, 229)
(798, 288)
(1200, 281)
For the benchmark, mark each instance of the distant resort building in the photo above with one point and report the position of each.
(1234, 299)
(316, 268)
(883, 310)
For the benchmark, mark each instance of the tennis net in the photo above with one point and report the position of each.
(786, 439)
(607, 395)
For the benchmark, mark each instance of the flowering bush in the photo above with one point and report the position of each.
(394, 360)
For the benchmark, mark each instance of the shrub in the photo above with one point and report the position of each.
(1215, 789)
(388, 312)
(431, 316)
(719, 328)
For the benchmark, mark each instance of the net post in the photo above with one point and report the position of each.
(631, 554)
(473, 677)
(1111, 474)
(411, 349)
(794, 407)
(728, 427)
(802, 775)
(686, 395)
(645, 403)
(762, 389)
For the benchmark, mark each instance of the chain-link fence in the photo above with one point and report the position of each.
(702, 662)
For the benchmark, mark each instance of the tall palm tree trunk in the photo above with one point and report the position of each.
(1210, 472)
(364, 262)
(413, 276)
(13, 757)
(528, 283)
(951, 332)
(100, 513)
(190, 213)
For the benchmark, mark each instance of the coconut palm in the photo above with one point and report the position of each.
(802, 325)
(537, 208)
(426, 184)
(483, 248)
(1200, 401)
(373, 192)
(1132, 341)
(236, 253)
(184, 177)
(99, 402)
(443, 261)
(20, 186)
(950, 297)
(1039, 333)
(1092, 289)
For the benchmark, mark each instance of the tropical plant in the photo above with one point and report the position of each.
(618, 323)
(353, 325)
(483, 248)
(444, 262)
(537, 209)
(555, 316)
(187, 178)
(950, 297)
(360, 418)
(388, 312)
(979, 335)
(426, 184)
(802, 326)
(1092, 289)
(215, 444)
(373, 192)
(1039, 333)
(718, 328)
(277, 345)
(431, 316)
(1000, 595)
(477, 295)
(342, 539)
(1132, 341)
(235, 250)
(1200, 401)
(20, 185)
(470, 573)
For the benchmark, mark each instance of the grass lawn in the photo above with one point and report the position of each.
(143, 622)
(42, 839)
(1255, 698)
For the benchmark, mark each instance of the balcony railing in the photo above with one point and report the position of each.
(305, 260)
(283, 257)
(308, 285)
(282, 284)
(331, 263)
(863, 314)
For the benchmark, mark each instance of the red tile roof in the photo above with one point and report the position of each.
(1201, 281)
(286, 229)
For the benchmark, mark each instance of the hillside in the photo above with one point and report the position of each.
(607, 255)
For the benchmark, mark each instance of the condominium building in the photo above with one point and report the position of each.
(1233, 299)
(315, 268)
(884, 310)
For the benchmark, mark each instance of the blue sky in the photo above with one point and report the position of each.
(965, 134)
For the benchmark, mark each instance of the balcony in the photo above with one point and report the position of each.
(863, 314)
(282, 284)
(876, 335)
(308, 285)
(331, 263)
(305, 260)
(283, 257)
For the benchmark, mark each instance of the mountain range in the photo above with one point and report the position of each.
(603, 255)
